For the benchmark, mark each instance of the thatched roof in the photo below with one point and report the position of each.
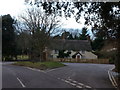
(77, 45)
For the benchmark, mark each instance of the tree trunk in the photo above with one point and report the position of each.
(117, 61)
(41, 56)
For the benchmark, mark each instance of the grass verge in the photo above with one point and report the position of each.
(40, 65)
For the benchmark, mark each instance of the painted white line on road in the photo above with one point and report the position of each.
(70, 79)
(88, 87)
(30, 68)
(66, 81)
(73, 84)
(78, 86)
(81, 84)
(75, 81)
(111, 79)
(114, 80)
(21, 82)
(70, 82)
(34, 69)
(50, 70)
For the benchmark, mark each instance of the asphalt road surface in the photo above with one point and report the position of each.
(74, 75)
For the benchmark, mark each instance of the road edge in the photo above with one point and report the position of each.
(112, 78)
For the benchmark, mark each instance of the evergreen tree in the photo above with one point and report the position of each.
(83, 35)
(70, 37)
(8, 37)
(76, 37)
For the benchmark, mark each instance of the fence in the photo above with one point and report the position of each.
(97, 61)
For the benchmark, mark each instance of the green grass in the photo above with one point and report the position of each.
(40, 65)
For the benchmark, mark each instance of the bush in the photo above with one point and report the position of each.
(112, 60)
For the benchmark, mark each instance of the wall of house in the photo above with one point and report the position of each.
(89, 55)
(54, 53)
(72, 53)
(85, 54)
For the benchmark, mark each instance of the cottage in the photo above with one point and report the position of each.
(72, 48)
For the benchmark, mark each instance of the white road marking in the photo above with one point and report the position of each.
(88, 87)
(66, 81)
(73, 84)
(21, 82)
(34, 69)
(113, 77)
(78, 86)
(110, 77)
(70, 83)
(30, 68)
(50, 70)
(114, 80)
(75, 81)
(81, 84)
(70, 79)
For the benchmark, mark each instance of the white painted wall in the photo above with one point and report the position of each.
(54, 54)
(85, 54)
(72, 53)
(89, 55)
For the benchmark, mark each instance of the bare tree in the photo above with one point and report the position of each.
(41, 26)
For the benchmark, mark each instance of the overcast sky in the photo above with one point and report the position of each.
(16, 7)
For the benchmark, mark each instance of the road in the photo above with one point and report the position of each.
(74, 75)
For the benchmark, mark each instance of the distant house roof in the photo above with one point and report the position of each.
(77, 54)
(77, 45)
